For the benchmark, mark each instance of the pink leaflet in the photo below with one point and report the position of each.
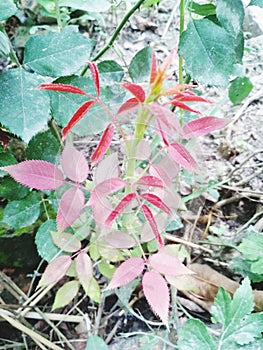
(74, 164)
(168, 264)
(55, 270)
(103, 145)
(189, 96)
(127, 272)
(203, 126)
(150, 180)
(107, 187)
(37, 174)
(84, 270)
(149, 217)
(126, 200)
(101, 209)
(155, 200)
(95, 75)
(180, 155)
(128, 105)
(157, 295)
(136, 90)
(70, 207)
(107, 168)
(78, 115)
(165, 115)
(153, 73)
(119, 239)
(175, 89)
(62, 88)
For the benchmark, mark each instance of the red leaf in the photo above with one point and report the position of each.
(157, 295)
(128, 105)
(149, 217)
(203, 126)
(165, 115)
(37, 174)
(153, 73)
(103, 145)
(167, 170)
(95, 75)
(84, 270)
(62, 88)
(180, 154)
(127, 272)
(150, 180)
(78, 115)
(168, 265)
(182, 105)
(119, 239)
(189, 96)
(55, 270)
(74, 164)
(107, 168)
(155, 200)
(70, 207)
(126, 200)
(135, 89)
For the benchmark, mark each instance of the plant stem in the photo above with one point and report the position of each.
(116, 33)
(59, 22)
(181, 29)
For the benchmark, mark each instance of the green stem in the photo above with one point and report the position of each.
(116, 33)
(181, 29)
(58, 15)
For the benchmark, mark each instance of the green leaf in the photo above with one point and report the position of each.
(56, 54)
(230, 15)
(87, 5)
(44, 146)
(23, 110)
(106, 269)
(65, 294)
(256, 3)
(94, 291)
(110, 71)
(4, 44)
(140, 65)
(252, 249)
(12, 190)
(194, 335)
(208, 51)
(18, 214)
(202, 10)
(95, 342)
(239, 89)
(6, 158)
(243, 267)
(45, 245)
(7, 9)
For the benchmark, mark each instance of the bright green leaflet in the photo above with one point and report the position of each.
(230, 15)
(208, 51)
(57, 54)
(23, 110)
(240, 88)
(7, 9)
(18, 214)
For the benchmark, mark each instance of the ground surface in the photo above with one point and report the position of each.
(233, 156)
